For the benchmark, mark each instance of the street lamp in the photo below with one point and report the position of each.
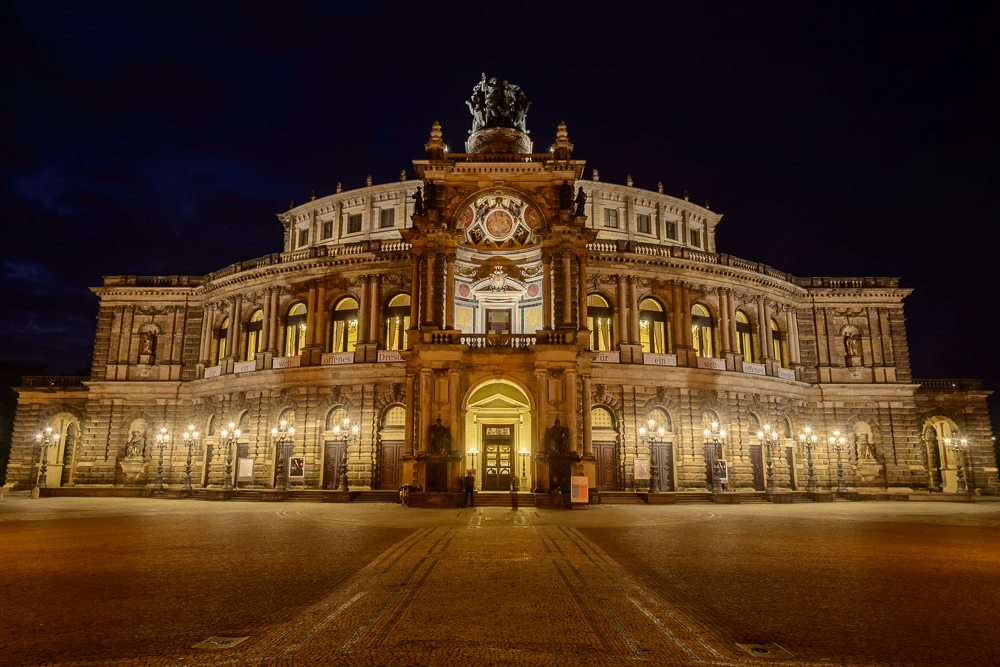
(346, 437)
(45, 440)
(472, 451)
(651, 440)
(282, 435)
(524, 451)
(162, 440)
(768, 438)
(808, 440)
(715, 436)
(958, 444)
(837, 441)
(229, 438)
(190, 440)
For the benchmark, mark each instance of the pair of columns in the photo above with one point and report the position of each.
(561, 261)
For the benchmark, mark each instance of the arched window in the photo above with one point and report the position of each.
(702, 334)
(395, 418)
(288, 416)
(600, 319)
(345, 325)
(708, 418)
(786, 428)
(744, 336)
(295, 330)
(779, 347)
(652, 327)
(754, 428)
(397, 321)
(659, 418)
(222, 334)
(335, 418)
(210, 427)
(254, 327)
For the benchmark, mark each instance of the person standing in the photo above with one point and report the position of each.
(470, 485)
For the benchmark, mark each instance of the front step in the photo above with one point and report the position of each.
(375, 497)
(502, 499)
(619, 498)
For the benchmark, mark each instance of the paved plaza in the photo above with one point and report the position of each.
(109, 581)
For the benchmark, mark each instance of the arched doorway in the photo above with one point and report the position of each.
(942, 470)
(604, 439)
(498, 426)
(391, 446)
(662, 454)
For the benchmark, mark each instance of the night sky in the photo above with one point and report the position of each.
(160, 138)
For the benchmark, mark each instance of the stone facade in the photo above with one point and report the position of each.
(506, 297)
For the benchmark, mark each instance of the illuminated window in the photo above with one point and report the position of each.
(672, 230)
(295, 330)
(744, 336)
(600, 322)
(397, 321)
(354, 223)
(303, 237)
(344, 325)
(254, 327)
(652, 327)
(754, 425)
(222, 334)
(335, 418)
(387, 217)
(779, 348)
(660, 419)
(611, 218)
(702, 334)
(642, 223)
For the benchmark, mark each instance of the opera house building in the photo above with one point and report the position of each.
(507, 313)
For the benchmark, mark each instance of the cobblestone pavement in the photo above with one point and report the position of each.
(141, 582)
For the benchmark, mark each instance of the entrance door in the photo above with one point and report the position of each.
(709, 472)
(333, 455)
(606, 465)
(757, 464)
(389, 467)
(498, 456)
(664, 462)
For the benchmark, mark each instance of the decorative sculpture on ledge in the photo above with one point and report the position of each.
(497, 105)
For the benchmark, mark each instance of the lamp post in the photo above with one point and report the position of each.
(282, 436)
(524, 451)
(45, 440)
(229, 438)
(715, 437)
(651, 440)
(957, 444)
(190, 440)
(350, 432)
(808, 440)
(162, 440)
(767, 437)
(837, 441)
(472, 452)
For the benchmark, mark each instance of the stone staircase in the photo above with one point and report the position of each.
(502, 499)
(618, 498)
(375, 497)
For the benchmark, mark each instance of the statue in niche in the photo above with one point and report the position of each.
(418, 202)
(431, 197)
(581, 201)
(135, 446)
(148, 344)
(565, 195)
(863, 448)
(438, 438)
(852, 343)
(557, 438)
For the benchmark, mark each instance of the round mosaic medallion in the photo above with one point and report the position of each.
(499, 224)
(463, 290)
(533, 290)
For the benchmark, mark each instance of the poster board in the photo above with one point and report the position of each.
(579, 489)
(722, 470)
(296, 467)
(640, 468)
(244, 470)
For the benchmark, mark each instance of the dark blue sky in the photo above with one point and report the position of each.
(161, 138)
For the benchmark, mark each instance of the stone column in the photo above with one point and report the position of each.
(762, 336)
(363, 306)
(429, 283)
(675, 315)
(542, 401)
(454, 376)
(410, 415)
(686, 315)
(793, 335)
(449, 292)
(415, 294)
(266, 324)
(588, 445)
(374, 331)
(426, 386)
(231, 329)
(622, 310)
(546, 291)
(581, 260)
(731, 312)
(633, 314)
(767, 329)
(570, 390)
(205, 352)
(319, 321)
(568, 290)
(724, 320)
(311, 316)
(272, 343)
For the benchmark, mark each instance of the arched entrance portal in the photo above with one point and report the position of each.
(942, 467)
(498, 427)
